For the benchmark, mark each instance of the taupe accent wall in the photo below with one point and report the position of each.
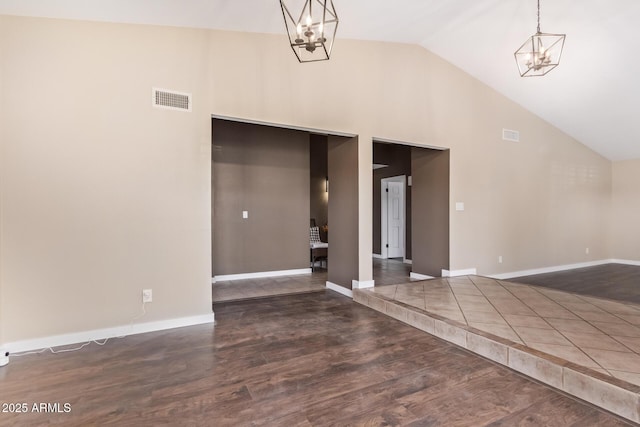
(430, 211)
(398, 160)
(265, 171)
(343, 211)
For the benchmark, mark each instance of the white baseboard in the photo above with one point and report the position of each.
(260, 274)
(339, 289)
(408, 261)
(378, 256)
(362, 284)
(418, 276)
(553, 269)
(455, 273)
(624, 261)
(101, 334)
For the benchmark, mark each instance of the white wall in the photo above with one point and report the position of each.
(103, 195)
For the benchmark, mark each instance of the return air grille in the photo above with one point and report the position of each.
(171, 100)
(510, 135)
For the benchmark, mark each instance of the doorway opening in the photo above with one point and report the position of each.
(410, 209)
(269, 182)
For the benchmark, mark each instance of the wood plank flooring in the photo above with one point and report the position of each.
(385, 272)
(613, 281)
(315, 359)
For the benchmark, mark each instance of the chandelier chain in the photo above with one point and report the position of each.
(538, 16)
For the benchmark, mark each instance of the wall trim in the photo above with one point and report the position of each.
(410, 144)
(283, 126)
(339, 289)
(624, 261)
(101, 334)
(552, 269)
(260, 274)
(419, 276)
(378, 256)
(455, 273)
(362, 284)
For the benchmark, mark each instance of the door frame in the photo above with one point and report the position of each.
(383, 214)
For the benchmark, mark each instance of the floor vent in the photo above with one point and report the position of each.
(172, 100)
(510, 135)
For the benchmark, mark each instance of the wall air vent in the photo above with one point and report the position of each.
(172, 100)
(510, 135)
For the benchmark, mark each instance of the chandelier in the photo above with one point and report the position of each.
(540, 53)
(311, 29)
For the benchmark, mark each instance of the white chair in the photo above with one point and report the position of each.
(314, 244)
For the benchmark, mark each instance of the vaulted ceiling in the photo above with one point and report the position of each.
(594, 95)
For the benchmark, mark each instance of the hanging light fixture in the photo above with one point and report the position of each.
(540, 53)
(312, 31)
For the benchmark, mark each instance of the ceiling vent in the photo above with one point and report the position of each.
(510, 135)
(172, 100)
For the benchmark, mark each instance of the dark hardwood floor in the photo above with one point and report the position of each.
(314, 359)
(613, 281)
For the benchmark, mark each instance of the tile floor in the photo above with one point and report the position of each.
(586, 346)
(599, 334)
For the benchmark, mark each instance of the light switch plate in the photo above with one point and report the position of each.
(459, 206)
(245, 214)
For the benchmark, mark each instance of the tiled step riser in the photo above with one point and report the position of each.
(598, 389)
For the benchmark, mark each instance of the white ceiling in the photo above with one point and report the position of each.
(594, 95)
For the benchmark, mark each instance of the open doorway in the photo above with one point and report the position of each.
(410, 211)
(391, 172)
(262, 186)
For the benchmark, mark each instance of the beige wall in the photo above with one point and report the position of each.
(536, 203)
(625, 230)
(103, 195)
(2, 155)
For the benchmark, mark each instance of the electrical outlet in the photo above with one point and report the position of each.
(586, 251)
(500, 259)
(147, 295)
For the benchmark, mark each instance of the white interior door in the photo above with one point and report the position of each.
(395, 220)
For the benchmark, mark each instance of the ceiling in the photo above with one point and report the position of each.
(594, 95)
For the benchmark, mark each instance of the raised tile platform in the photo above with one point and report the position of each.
(585, 346)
